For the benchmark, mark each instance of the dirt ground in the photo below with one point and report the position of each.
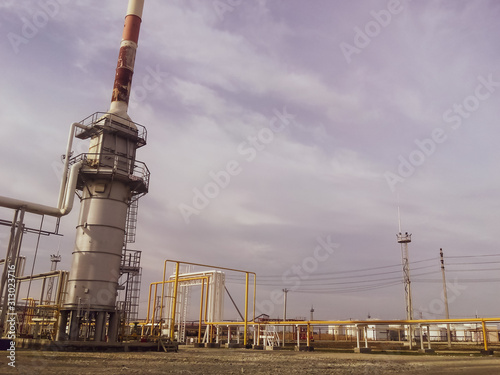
(246, 361)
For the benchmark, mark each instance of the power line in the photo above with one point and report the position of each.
(467, 264)
(473, 256)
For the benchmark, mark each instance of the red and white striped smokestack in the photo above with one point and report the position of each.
(126, 59)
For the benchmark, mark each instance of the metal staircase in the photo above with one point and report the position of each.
(131, 274)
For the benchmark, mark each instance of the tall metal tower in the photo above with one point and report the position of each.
(54, 259)
(404, 240)
(110, 180)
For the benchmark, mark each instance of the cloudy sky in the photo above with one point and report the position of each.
(281, 136)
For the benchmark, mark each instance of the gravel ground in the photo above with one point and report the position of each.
(240, 361)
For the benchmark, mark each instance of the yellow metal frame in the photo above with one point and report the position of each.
(202, 278)
(211, 325)
(203, 297)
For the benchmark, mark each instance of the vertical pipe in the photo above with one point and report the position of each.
(162, 292)
(100, 322)
(153, 315)
(63, 320)
(428, 338)
(308, 335)
(11, 259)
(201, 309)
(258, 334)
(74, 326)
(174, 301)
(421, 337)
(114, 322)
(254, 292)
(6, 263)
(365, 331)
(298, 335)
(485, 336)
(42, 290)
(357, 336)
(246, 310)
(149, 305)
(206, 299)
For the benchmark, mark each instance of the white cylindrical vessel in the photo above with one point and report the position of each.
(98, 246)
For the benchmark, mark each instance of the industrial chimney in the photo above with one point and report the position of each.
(110, 180)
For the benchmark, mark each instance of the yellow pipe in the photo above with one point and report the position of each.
(162, 293)
(149, 299)
(154, 310)
(254, 289)
(352, 322)
(174, 301)
(206, 305)
(246, 310)
(485, 336)
(308, 335)
(147, 315)
(201, 309)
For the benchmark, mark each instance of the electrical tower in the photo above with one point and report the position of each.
(404, 240)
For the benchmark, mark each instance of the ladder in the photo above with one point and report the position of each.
(131, 224)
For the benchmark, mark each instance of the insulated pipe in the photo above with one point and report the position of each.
(126, 59)
(62, 189)
(66, 191)
(41, 209)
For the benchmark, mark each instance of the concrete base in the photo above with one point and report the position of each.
(362, 350)
(198, 345)
(304, 348)
(487, 352)
(212, 345)
(233, 345)
(426, 351)
(258, 347)
(272, 347)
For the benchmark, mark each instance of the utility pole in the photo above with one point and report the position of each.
(445, 294)
(285, 291)
(404, 240)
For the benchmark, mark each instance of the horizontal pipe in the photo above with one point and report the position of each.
(361, 322)
(41, 209)
(44, 275)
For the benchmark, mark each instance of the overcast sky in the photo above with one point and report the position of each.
(280, 135)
